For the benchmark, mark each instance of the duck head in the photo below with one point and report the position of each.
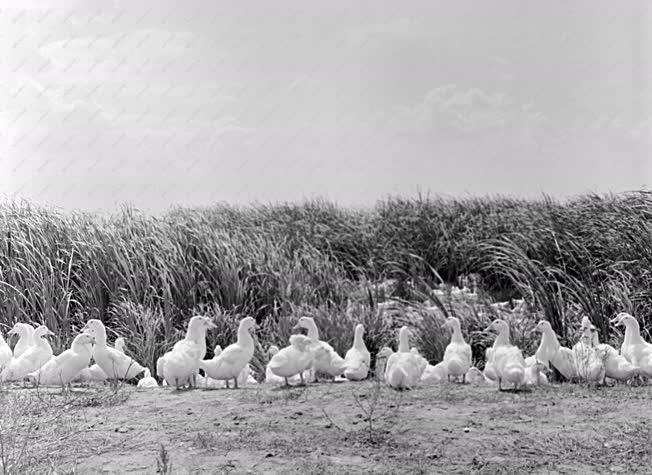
(20, 328)
(497, 325)
(42, 331)
(304, 322)
(542, 326)
(200, 322)
(616, 320)
(84, 339)
(385, 352)
(452, 323)
(248, 324)
(95, 328)
(626, 320)
(272, 350)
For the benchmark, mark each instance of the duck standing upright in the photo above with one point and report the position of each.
(404, 368)
(357, 359)
(457, 355)
(551, 353)
(293, 360)
(506, 359)
(235, 357)
(180, 366)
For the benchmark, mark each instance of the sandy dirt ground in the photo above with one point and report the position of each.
(342, 428)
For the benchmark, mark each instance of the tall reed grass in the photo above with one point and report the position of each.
(145, 275)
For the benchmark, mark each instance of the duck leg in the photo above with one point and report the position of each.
(235, 383)
(227, 384)
(500, 385)
(303, 382)
(287, 383)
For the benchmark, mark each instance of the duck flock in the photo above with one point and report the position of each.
(307, 358)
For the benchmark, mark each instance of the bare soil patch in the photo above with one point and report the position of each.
(329, 428)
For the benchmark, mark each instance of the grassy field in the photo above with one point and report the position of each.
(330, 428)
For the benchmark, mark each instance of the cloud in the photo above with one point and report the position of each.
(451, 112)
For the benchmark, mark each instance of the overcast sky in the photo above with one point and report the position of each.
(195, 102)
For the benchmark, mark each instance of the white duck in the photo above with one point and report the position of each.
(475, 376)
(25, 333)
(381, 361)
(404, 368)
(535, 374)
(91, 374)
(507, 359)
(420, 362)
(616, 365)
(551, 353)
(357, 359)
(180, 366)
(32, 359)
(64, 368)
(115, 364)
(5, 353)
(326, 359)
(235, 357)
(245, 376)
(634, 348)
(147, 382)
(434, 374)
(270, 377)
(293, 360)
(457, 355)
(590, 366)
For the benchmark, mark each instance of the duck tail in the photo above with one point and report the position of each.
(398, 377)
(514, 374)
(455, 367)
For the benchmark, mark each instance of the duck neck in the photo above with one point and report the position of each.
(503, 338)
(403, 342)
(244, 337)
(313, 333)
(549, 342)
(195, 334)
(41, 342)
(457, 334)
(633, 333)
(358, 342)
